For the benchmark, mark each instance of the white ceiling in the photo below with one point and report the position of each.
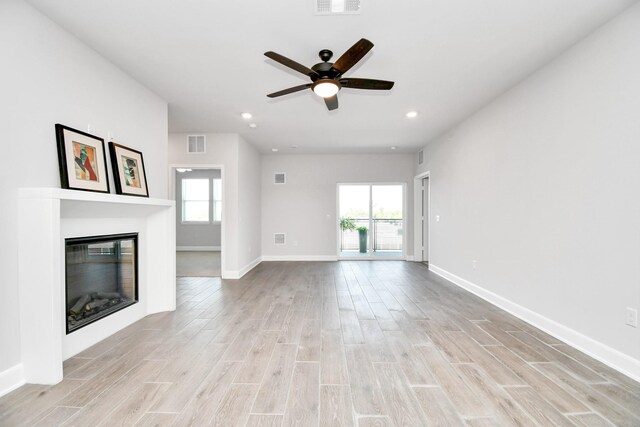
(447, 57)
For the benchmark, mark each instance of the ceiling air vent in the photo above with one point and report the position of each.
(279, 178)
(195, 144)
(337, 7)
(278, 238)
(420, 157)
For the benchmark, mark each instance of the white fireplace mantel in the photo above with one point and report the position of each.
(47, 217)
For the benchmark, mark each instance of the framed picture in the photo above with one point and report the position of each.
(128, 171)
(82, 160)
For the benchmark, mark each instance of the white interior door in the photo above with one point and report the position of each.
(425, 220)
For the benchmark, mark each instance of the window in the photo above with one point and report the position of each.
(201, 200)
(217, 200)
(195, 200)
(371, 220)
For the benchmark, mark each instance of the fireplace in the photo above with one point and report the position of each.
(101, 277)
(49, 216)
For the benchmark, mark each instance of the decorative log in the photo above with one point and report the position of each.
(96, 304)
(79, 305)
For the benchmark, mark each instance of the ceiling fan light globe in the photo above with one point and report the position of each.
(325, 88)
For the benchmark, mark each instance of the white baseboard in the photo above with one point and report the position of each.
(599, 351)
(409, 258)
(237, 274)
(300, 258)
(11, 379)
(198, 248)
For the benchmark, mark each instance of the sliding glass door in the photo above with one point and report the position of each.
(371, 220)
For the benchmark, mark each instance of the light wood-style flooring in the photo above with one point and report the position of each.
(382, 343)
(198, 263)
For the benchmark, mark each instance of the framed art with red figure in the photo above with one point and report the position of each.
(82, 160)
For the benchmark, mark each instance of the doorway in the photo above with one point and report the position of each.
(197, 191)
(371, 221)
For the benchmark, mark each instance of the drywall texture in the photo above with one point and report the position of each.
(305, 208)
(49, 77)
(223, 150)
(195, 235)
(541, 188)
(249, 204)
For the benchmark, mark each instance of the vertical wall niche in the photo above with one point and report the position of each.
(101, 277)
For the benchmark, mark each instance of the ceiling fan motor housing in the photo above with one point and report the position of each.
(325, 70)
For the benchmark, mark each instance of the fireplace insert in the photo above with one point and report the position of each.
(101, 277)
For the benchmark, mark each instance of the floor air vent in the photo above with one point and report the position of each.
(337, 7)
(278, 238)
(279, 178)
(195, 144)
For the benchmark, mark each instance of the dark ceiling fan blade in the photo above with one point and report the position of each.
(332, 102)
(352, 56)
(366, 84)
(290, 63)
(290, 90)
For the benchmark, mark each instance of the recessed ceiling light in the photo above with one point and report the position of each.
(246, 116)
(275, 150)
(412, 114)
(253, 125)
(393, 148)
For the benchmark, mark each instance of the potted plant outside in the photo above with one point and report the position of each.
(347, 224)
(362, 234)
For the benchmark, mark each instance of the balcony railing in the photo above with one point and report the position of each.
(386, 235)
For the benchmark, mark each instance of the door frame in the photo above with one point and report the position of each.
(418, 232)
(172, 196)
(371, 257)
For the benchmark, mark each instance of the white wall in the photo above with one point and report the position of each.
(223, 149)
(49, 77)
(249, 205)
(305, 207)
(195, 235)
(542, 188)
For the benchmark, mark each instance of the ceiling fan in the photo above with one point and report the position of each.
(326, 77)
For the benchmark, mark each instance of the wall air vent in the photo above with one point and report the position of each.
(279, 178)
(196, 144)
(420, 157)
(337, 7)
(278, 239)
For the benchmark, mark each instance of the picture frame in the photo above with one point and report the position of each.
(129, 174)
(82, 160)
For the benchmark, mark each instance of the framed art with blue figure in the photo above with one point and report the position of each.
(128, 170)
(82, 160)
